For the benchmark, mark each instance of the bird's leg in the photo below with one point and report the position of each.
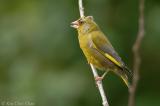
(101, 77)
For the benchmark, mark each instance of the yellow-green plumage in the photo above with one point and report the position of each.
(98, 50)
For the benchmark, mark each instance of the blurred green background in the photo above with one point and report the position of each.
(41, 62)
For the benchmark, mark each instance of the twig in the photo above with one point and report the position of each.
(100, 86)
(99, 83)
(81, 9)
(136, 53)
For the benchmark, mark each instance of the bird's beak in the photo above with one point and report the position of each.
(75, 24)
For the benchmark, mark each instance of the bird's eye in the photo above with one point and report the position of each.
(81, 21)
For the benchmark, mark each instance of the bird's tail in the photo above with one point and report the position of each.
(126, 76)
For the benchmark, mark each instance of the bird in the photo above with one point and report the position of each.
(99, 51)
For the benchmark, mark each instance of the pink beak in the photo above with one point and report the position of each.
(75, 24)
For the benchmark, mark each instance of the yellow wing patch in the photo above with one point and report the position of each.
(108, 56)
(112, 59)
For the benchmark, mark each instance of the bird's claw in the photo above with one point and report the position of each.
(98, 79)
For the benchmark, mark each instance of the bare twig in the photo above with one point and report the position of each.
(100, 86)
(136, 53)
(81, 9)
(99, 83)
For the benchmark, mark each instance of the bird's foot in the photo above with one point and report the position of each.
(98, 78)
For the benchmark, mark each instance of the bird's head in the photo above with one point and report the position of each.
(85, 25)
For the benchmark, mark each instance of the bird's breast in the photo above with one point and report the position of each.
(92, 54)
(85, 45)
(89, 51)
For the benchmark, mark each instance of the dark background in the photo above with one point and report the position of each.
(41, 62)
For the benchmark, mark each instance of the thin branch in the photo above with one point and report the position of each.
(136, 53)
(100, 86)
(81, 9)
(99, 83)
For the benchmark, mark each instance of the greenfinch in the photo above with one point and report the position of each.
(98, 50)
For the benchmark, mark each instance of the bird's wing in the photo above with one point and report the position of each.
(101, 43)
